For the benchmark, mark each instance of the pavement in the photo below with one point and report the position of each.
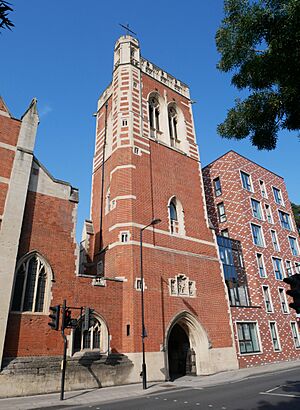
(116, 393)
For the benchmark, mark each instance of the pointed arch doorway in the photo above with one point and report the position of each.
(187, 347)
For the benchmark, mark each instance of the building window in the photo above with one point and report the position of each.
(225, 232)
(246, 181)
(263, 189)
(138, 284)
(285, 220)
(217, 186)
(176, 216)
(267, 298)
(275, 241)
(124, 122)
(295, 334)
(277, 264)
(274, 336)
(154, 113)
(87, 339)
(269, 213)
(294, 246)
(221, 212)
(173, 125)
(248, 338)
(30, 285)
(289, 269)
(297, 267)
(234, 272)
(182, 286)
(256, 209)
(124, 236)
(283, 302)
(277, 196)
(257, 235)
(261, 265)
(173, 216)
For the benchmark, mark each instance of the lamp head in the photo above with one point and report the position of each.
(155, 221)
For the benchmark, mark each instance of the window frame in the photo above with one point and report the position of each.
(283, 223)
(281, 202)
(263, 245)
(296, 247)
(281, 291)
(267, 300)
(275, 243)
(253, 200)
(259, 344)
(221, 217)
(248, 184)
(217, 190)
(263, 265)
(282, 271)
(272, 322)
(262, 184)
(290, 267)
(268, 206)
(49, 278)
(297, 334)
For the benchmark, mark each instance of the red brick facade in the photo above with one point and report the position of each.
(239, 216)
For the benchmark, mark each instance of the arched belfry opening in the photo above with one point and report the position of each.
(187, 347)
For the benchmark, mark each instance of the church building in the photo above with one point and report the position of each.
(148, 265)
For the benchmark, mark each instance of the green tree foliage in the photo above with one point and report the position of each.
(5, 22)
(296, 211)
(259, 41)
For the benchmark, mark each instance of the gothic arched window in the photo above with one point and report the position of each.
(173, 216)
(30, 285)
(176, 216)
(88, 339)
(173, 125)
(153, 114)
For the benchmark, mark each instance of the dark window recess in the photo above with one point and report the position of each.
(128, 330)
(234, 272)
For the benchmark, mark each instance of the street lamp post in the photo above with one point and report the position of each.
(144, 333)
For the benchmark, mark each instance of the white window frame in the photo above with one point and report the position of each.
(268, 206)
(262, 235)
(282, 270)
(222, 217)
(269, 297)
(281, 291)
(250, 181)
(290, 266)
(276, 245)
(215, 189)
(297, 246)
(297, 267)
(297, 334)
(260, 207)
(277, 336)
(290, 229)
(264, 189)
(257, 333)
(123, 234)
(281, 197)
(263, 263)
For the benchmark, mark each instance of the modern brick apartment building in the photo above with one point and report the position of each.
(259, 246)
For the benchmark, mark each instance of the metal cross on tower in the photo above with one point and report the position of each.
(128, 30)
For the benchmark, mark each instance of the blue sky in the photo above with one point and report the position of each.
(61, 52)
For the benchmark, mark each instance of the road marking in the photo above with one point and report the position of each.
(175, 400)
(210, 405)
(165, 399)
(185, 402)
(275, 388)
(197, 404)
(281, 394)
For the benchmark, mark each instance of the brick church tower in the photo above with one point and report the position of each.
(146, 166)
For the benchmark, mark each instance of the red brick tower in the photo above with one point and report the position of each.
(146, 166)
